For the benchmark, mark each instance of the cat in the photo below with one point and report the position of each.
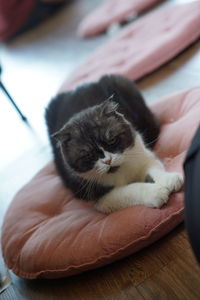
(102, 135)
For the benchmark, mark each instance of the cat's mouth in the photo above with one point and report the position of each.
(113, 169)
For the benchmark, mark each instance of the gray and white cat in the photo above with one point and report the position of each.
(101, 135)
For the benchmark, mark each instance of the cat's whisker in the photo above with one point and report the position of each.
(152, 142)
(92, 181)
(82, 186)
(138, 153)
(91, 186)
(101, 171)
(87, 191)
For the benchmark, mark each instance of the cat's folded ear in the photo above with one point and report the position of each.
(63, 135)
(109, 106)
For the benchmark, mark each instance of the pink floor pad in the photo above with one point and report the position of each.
(109, 12)
(143, 46)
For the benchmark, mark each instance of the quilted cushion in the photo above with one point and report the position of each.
(49, 233)
(13, 14)
(144, 45)
(109, 12)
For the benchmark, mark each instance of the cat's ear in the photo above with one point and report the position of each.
(109, 106)
(62, 135)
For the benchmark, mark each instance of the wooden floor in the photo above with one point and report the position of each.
(46, 55)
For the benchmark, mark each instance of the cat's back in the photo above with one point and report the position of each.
(65, 105)
(124, 92)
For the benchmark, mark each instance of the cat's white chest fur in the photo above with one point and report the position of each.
(133, 165)
(129, 186)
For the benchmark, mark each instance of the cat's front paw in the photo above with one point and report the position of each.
(172, 181)
(157, 197)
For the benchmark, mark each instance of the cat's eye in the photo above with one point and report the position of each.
(112, 141)
(87, 156)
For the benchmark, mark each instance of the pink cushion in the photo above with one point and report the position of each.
(143, 46)
(109, 12)
(13, 14)
(49, 233)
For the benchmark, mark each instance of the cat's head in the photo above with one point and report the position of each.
(95, 141)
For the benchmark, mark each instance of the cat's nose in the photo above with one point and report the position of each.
(107, 161)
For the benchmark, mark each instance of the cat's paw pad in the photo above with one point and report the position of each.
(158, 196)
(172, 181)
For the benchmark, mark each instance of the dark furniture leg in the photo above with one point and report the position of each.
(13, 103)
(11, 100)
